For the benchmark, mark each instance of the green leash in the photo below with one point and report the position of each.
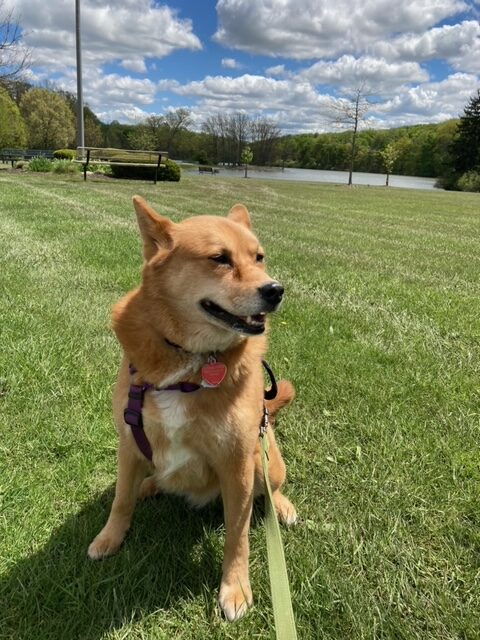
(279, 586)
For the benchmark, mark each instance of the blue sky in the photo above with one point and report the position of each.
(291, 61)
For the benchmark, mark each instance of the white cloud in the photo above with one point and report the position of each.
(306, 29)
(230, 63)
(110, 32)
(277, 70)
(134, 64)
(295, 104)
(378, 75)
(459, 44)
(128, 115)
(430, 102)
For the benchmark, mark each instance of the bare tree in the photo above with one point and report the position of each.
(216, 128)
(175, 121)
(14, 57)
(238, 133)
(349, 113)
(228, 135)
(264, 135)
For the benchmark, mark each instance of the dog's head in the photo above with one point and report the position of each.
(206, 273)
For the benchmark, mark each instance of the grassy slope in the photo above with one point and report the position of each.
(380, 334)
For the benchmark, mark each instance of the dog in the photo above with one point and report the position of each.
(198, 319)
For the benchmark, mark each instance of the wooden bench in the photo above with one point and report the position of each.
(12, 155)
(122, 157)
(203, 169)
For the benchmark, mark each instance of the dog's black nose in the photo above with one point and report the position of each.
(272, 293)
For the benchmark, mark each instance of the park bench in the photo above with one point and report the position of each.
(122, 157)
(203, 169)
(12, 155)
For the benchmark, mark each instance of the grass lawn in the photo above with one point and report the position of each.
(380, 333)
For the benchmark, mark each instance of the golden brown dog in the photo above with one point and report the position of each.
(203, 299)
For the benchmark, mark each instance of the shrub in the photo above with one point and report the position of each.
(64, 166)
(448, 181)
(40, 163)
(469, 181)
(64, 154)
(170, 172)
(104, 169)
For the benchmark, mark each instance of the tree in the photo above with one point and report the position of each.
(49, 119)
(13, 133)
(389, 157)
(264, 135)
(14, 57)
(174, 122)
(92, 124)
(349, 114)
(466, 147)
(246, 158)
(228, 136)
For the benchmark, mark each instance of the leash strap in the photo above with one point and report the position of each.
(279, 585)
(270, 394)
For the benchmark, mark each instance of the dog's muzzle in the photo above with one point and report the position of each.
(272, 294)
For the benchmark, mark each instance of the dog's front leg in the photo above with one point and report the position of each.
(237, 492)
(131, 472)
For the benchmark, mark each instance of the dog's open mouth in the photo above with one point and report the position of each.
(252, 325)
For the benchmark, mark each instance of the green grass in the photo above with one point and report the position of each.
(380, 334)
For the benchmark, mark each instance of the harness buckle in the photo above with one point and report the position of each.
(133, 418)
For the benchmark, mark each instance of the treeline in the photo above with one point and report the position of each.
(422, 150)
(45, 118)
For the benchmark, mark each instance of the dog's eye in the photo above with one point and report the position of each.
(221, 258)
(260, 257)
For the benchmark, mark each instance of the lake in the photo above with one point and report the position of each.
(340, 177)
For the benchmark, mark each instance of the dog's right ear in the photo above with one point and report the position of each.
(156, 231)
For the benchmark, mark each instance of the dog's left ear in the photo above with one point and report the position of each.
(239, 213)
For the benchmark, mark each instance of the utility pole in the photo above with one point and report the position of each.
(80, 127)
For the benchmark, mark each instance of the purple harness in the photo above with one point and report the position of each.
(136, 394)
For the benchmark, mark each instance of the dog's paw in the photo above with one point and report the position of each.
(286, 512)
(235, 600)
(104, 545)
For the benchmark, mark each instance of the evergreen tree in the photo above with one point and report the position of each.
(466, 148)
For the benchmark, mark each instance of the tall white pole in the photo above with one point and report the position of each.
(80, 127)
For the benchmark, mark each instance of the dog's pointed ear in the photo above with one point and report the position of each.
(239, 213)
(156, 231)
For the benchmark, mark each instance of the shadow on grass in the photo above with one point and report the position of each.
(171, 554)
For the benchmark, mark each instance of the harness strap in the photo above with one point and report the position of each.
(136, 394)
(133, 417)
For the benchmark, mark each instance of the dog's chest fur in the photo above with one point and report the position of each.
(173, 417)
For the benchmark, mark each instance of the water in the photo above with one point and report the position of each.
(340, 177)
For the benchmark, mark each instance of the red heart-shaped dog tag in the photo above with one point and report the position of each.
(213, 373)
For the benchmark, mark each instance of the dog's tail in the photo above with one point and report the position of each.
(285, 395)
